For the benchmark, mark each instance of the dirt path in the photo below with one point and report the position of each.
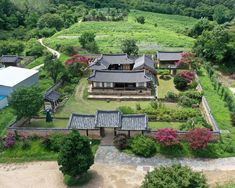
(54, 52)
(47, 175)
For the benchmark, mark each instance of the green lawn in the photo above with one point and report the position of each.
(219, 110)
(79, 104)
(41, 123)
(168, 33)
(160, 125)
(165, 86)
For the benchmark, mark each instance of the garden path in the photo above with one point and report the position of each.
(110, 155)
(54, 52)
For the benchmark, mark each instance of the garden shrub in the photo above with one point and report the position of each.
(193, 123)
(120, 141)
(187, 102)
(233, 118)
(171, 96)
(138, 107)
(142, 145)
(188, 75)
(180, 83)
(126, 110)
(9, 140)
(167, 137)
(198, 138)
(56, 142)
(174, 176)
(192, 94)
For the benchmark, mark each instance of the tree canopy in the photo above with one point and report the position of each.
(75, 157)
(130, 47)
(26, 102)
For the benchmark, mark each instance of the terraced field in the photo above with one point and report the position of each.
(160, 31)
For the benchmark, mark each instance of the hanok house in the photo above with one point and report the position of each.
(168, 59)
(104, 120)
(121, 75)
(10, 60)
(51, 99)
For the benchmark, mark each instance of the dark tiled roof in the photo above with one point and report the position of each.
(81, 121)
(52, 96)
(108, 119)
(105, 60)
(134, 122)
(143, 62)
(169, 56)
(119, 76)
(10, 58)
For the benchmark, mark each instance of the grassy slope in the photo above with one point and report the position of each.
(149, 38)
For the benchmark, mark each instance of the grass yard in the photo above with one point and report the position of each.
(162, 124)
(167, 34)
(165, 86)
(79, 104)
(41, 123)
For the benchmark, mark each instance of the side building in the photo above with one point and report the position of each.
(12, 78)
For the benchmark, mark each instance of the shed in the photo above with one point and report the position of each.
(10, 60)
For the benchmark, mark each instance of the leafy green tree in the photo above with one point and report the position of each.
(54, 68)
(140, 19)
(212, 45)
(87, 41)
(26, 102)
(75, 157)
(202, 25)
(174, 177)
(51, 21)
(130, 47)
(222, 14)
(11, 47)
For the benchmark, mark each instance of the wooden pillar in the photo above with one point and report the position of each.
(115, 132)
(87, 132)
(142, 132)
(129, 133)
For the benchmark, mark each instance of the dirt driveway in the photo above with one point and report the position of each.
(47, 175)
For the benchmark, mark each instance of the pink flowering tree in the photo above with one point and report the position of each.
(78, 59)
(167, 137)
(188, 75)
(190, 59)
(198, 138)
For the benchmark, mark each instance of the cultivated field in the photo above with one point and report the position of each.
(159, 32)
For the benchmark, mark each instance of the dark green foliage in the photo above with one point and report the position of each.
(174, 176)
(54, 68)
(53, 142)
(140, 19)
(129, 47)
(187, 102)
(87, 41)
(180, 83)
(211, 45)
(202, 25)
(222, 14)
(171, 96)
(51, 21)
(142, 146)
(26, 102)
(75, 157)
(233, 118)
(34, 48)
(120, 141)
(11, 47)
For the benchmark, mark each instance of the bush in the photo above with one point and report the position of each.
(140, 19)
(192, 94)
(233, 118)
(53, 142)
(180, 83)
(138, 107)
(167, 137)
(174, 176)
(171, 96)
(198, 138)
(188, 75)
(120, 141)
(142, 146)
(193, 123)
(9, 140)
(126, 110)
(187, 102)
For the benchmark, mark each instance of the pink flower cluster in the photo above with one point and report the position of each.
(9, 140)
(188, 75)
(78, 59)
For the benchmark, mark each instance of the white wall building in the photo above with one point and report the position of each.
(12, 78)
